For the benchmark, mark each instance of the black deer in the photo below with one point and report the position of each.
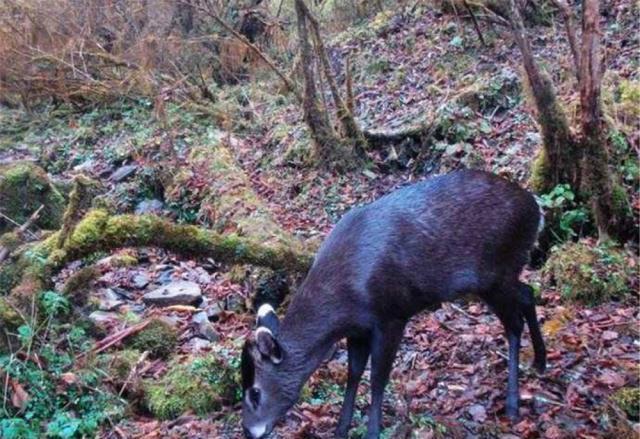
(465, 232)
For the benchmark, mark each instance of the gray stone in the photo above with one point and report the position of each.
(149, 206)
(123, 173)
(86, 166)
(213, 311)
(174, 293)
(102, 318)
(140, 280)
(204, 328)
(110, 305)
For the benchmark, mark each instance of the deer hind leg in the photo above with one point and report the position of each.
(528, 304)
(506, 305)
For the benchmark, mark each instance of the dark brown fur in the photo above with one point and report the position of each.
(465, 232)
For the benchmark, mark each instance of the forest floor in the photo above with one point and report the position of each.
(449, 379)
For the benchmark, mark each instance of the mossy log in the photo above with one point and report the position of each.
(34, 267)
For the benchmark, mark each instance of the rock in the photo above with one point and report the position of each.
(110, 305)
(140, 280)
(197, 344)
(149, 206)
(110, 300)
(213, 311)
(204, 328)
(123, 173)
(102, 318)
(165, 276)
(234, 302)
(86, 166)
(175, 293)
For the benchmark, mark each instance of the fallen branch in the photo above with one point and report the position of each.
(5, 251)
(116, 338)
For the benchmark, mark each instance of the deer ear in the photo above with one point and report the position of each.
(267, 345)
(267, 317)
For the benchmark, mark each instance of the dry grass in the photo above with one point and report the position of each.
(80, 51)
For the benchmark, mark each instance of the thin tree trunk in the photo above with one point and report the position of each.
(596, 165)
(350, 127)
(569, 25)
(562, 153)
(321, 131)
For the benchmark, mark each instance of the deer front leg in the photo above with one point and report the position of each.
(359, 350)
(384, 345)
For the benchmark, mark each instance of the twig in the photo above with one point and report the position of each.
(463, 312)
(290, 85)
(475, 22)
(6, 251)
(113, 339)
(133, 371)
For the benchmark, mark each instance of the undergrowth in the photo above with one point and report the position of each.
(48, 390)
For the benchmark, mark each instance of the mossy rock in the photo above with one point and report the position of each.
(159, 338)
(24, 187)
(201, 386)
(79, 284)
(591, 273)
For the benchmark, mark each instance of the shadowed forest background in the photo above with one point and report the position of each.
(167, 166)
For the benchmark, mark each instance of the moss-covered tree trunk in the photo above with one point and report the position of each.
(560, 162)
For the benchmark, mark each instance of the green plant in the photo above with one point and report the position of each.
(566, 215)
(58, 397)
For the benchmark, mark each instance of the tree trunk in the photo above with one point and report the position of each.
(597, 177)
(326, 141)
(350, 127)
(560, 148)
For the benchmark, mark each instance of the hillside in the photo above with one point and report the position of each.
(99, 357)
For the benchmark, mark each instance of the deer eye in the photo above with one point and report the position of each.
(254, 397)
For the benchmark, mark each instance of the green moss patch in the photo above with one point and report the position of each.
(159, 338)
(628, 400)
(202, 385)
(24, 187)
(591, 273)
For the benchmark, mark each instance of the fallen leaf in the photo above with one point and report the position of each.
(19, 397)
(478, 413)
(611, 378)
(609, 335)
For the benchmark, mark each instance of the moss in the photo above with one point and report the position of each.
(202, 385)
(159, 338)
(590, 273)
(89, 231)
(80, 198)
(120, 364)
(10, 240)
(628, 400)
(540, 178)
(630, 98)
(24, 187)
(8, 315)
(78, 284)
(123, 260)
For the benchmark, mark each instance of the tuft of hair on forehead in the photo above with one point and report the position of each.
(264, 310)
(267, 318)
